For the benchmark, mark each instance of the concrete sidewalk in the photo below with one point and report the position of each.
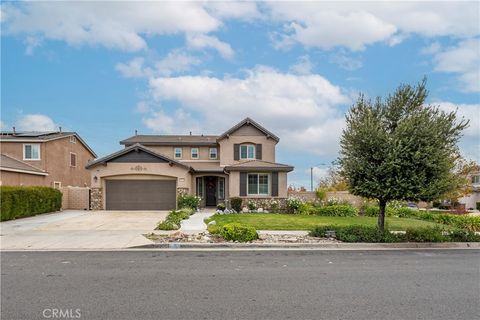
(195, 224)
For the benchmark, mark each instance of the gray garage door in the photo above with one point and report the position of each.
(140, 194)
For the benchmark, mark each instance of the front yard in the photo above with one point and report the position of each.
(270, 221)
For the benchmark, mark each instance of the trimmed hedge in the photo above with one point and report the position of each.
(236, 204)
(172, 222)
(373, 234)
(356, 233)
(19, 202)
(238, 232)
(337, 210)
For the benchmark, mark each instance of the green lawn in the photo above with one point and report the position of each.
(271, 221)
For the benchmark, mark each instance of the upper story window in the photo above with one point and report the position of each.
(31, 151)
(73, 159)
(73, 139)
(194, 153)
(213, 153)
(476, 179)
(178, 153)
(247, 151)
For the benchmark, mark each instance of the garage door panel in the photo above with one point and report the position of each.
(140, 194)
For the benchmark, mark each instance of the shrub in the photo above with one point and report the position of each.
(356, 233)
(306, 208)
(477, 205)
(373, 211)
(188, 201)
(18, 202)
(338, 210)
(213, 229)
(274, 205)
(471, 223)
(236, 204)
(294, 204)
(321, 193)
(251, 205)
(463, 236)
(427, 234)
(238, 232)
(172, 222)
(221, 206)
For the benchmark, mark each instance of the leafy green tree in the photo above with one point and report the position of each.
(399, 148)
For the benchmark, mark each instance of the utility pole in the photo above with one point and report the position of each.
(311, 178)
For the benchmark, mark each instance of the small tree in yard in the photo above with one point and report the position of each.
(398, 148)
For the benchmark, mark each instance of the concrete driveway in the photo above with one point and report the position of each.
(72, 229)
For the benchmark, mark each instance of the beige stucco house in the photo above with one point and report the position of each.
(52, 159)
(152, 170)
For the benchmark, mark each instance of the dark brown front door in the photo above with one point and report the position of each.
(140, 194)
(211, 191)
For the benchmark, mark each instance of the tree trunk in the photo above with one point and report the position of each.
(381, 214)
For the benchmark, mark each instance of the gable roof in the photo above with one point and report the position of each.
(40, 136)
(174, 140)
(8, 163)
(135, 147)
(259, 165)
(248, 121)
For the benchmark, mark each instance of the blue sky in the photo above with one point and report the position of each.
(105, 69)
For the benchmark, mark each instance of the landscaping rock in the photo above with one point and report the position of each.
(212, 223)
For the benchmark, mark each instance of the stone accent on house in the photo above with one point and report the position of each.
(267, 203)
(96, 199)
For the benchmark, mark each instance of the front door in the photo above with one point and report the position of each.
(210, 191)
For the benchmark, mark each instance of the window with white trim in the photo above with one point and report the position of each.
(73, 159)
(247, 151)
(221, 188)
(57, 184)
(194, 153)
(31, 151)
(257, 184)
(213, 153)
(476, 179)
(178, 153)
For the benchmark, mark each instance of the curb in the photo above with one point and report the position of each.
(313, 246)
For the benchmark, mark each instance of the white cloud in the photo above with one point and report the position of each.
(470, 143)
(202, 41)
(464, 60)
(175, 62)
(344, 61)
(35, 122)
(303, 66)
(31, 43)
(142, 107)
(433, 48)
(134, 69)
(119, 25)
(355, 25)
(243, 10)
(302, 109)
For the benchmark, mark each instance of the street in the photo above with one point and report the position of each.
(401, 284)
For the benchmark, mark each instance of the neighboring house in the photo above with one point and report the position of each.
(152, 169)
(52, 159)
(472, 201)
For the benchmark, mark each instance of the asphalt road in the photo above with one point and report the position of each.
(440, 284)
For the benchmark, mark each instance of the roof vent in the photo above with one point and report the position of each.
(136, 132)
(190, 132)
(14, 132)
(60, 129)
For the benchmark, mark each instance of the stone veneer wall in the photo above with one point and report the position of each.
(96, 200)
(265, 203)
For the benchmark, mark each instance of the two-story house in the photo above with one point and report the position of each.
(52, 159)
(152, 170)
(472, 200)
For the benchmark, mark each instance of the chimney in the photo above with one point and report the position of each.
(14, 132)
(136, 132)
(60, 129)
